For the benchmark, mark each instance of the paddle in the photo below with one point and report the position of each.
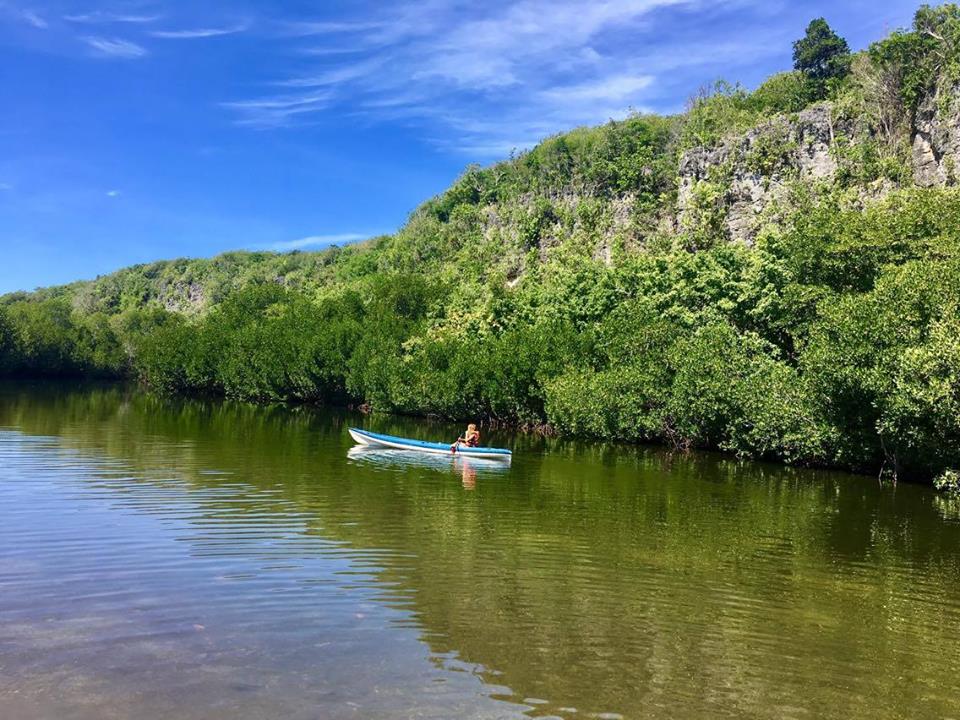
(453, 448)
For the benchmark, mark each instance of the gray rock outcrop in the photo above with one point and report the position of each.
(755, 168)
(936, 140)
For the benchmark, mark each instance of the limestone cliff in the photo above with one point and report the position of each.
(750, 171)
(936, 140)
(753, 169)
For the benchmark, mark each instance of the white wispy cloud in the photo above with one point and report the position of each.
(338, 75)
(31, 18)
(5, 186)
(100, 16)
(615, 88)
(317, 241)
(278, 110)
(305, 28)
(497, 76)
(113, 193)
(194, 33)
(328, 50)
(115, 47)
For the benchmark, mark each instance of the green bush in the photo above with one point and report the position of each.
(730, 391)
(787, 92)
(948, 482)
(911, 62)
(45, 337)
(8, 346)
(716, 112)
(885, 371)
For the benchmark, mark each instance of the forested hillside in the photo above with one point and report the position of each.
(775, 273)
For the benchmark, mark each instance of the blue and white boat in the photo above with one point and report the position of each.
(365, 437)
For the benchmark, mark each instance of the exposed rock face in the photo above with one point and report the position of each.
(754, 168)
(183, 297)
(815, 134)
(936, 140)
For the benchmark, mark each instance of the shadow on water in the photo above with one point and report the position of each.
(585, 576)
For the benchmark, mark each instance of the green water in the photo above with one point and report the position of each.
(183, 559)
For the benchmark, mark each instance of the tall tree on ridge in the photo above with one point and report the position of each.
(821, 55)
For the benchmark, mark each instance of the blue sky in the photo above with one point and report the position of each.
(136, 131)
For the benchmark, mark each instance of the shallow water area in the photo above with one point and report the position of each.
(202, 559)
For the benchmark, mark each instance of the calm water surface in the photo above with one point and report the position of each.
(170, 559)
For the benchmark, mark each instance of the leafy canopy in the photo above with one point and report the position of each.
(821, 54)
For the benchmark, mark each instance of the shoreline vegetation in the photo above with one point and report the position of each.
(774, 273)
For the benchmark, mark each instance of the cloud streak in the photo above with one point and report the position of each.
(614, 88)
(278, 110)
(302, 28)
(31, 18)
(314, 241)
(115, 47)
(191, 34)
(99, 16)
(492, 76)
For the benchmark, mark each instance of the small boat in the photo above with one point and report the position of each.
(365, 437)
(384, 457)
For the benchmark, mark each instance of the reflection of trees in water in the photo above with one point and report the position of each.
(612, 579)
(949, 506)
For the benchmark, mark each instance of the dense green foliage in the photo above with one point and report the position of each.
(948, 482)
(822, 61)
(910, 63)
(821, 55)
(559, 289)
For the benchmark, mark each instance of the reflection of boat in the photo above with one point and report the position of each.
(388, 457)
(365, 437)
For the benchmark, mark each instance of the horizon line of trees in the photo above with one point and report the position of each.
(835, 341)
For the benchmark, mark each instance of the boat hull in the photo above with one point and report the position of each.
(365, 437)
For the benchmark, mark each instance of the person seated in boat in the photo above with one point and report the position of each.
(471, 438)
